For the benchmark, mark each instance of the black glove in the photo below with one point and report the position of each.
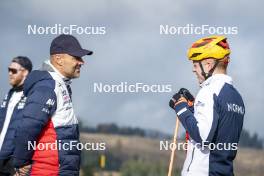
(174, 99)
(186, 94)
(181, 93)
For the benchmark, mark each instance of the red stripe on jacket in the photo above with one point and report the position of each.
(46, 161)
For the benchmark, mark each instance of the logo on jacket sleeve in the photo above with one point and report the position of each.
(235, 108)
(50, 102)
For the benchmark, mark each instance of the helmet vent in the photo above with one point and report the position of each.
(195, 54)
(223, 44)
(204, 42)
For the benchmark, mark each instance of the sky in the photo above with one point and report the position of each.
(133, 50)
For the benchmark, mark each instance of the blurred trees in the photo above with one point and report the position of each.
(246, 140)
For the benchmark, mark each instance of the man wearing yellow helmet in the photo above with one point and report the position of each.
(209, 54)
(215, 121)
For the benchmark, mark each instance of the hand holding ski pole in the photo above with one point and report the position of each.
(182, 96)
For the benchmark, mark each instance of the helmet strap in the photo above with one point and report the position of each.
(210, 73)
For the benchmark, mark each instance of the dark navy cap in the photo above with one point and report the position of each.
(68, 44)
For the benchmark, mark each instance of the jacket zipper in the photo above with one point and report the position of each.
(191, 160)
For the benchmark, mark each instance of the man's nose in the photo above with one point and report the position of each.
(80, 61)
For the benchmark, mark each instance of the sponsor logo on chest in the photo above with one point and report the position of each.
(4, 103)
(21, 103)
(65, 97)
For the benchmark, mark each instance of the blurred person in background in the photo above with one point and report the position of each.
(11, 110)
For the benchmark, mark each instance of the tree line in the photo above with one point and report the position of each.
(246, 139)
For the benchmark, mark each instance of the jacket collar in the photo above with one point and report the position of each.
(222, 77)
(17, 89)
(59, 77)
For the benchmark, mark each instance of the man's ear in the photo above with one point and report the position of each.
(58, 58)
(210, 63)
(25, 73)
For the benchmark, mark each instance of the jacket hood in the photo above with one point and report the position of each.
(34, 77)
(37, 76)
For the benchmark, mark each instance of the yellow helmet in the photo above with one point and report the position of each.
(209, 47)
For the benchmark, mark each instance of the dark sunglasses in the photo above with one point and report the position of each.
(13, 70)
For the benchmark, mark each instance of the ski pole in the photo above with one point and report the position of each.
(172, 157)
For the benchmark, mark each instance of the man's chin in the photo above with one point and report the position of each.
(12, 83)
(75, 76)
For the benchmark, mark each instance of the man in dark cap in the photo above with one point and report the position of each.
(49, 119)
(11, 111)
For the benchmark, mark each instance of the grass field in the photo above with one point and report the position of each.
(249, 162)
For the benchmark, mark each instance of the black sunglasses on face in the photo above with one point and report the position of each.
(13, 70)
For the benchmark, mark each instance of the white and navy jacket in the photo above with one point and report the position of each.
(48, 118)
(10, 113)
(217, 119)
